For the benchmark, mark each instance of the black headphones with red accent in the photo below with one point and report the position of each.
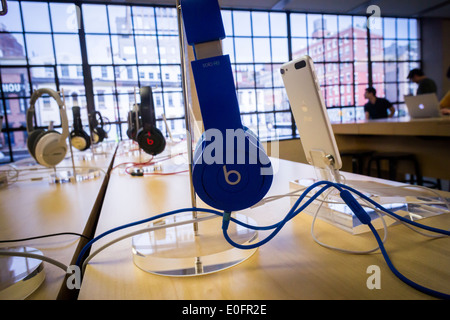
(149, 137)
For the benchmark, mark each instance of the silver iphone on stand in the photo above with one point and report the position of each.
(309, 110)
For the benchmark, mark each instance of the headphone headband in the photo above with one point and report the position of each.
(61, 107)
(146, 107)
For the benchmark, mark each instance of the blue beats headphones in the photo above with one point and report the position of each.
(231, 170)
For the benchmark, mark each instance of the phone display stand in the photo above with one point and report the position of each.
(20, 276)
(190, 244)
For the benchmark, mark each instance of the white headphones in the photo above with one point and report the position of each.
(48, 147)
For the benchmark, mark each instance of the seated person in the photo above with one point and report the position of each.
(377, 108)
(426, 85)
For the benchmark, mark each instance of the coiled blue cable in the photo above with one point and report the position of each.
(294, 211)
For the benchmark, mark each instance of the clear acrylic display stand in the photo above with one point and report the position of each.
(191, 244)
(20, 276)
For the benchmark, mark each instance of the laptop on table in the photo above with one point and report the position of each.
(423, 106)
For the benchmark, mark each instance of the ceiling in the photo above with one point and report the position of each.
(399, 8)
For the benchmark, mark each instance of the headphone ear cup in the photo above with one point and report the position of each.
(48, 150)
(98, 135)
(151, 140)
(232, 186)
(33, 137)
(80, 140)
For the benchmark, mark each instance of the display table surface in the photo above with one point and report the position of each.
(33, 208)
(439, 127)
(290, 266)
(428, 139)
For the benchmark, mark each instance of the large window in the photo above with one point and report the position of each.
(120, 48)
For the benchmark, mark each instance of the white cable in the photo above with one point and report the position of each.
(340, 249)
(148, 229)
(34, 256)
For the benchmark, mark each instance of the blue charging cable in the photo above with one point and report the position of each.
(347, 197)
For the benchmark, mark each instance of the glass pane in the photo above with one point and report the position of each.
(276, 75)
(98, 49)
(360, 100)
(298, 25)
(126, 78)
(247, 100)
(171, 77)
(244, 51)
(390, 71)
(330, 25)
(391, 92)
(361, 73)
(331, 49)
(332, 73)
(320, 72)
(389, 28)
(245, 76)
(376, 49)
(251, 122)
(281, 101)
(40, 49)
(348, 114)
(414, 47)
(12, 21)
(264, 100)
(242, 26)
(169, 49)
(71, 78)
(173, 103)
(360, 49)
(147, 50)
(279, 50)
(402, 50)
(148, 76)
(278, 24)
(316, 49)
(43, 77)
(315, 26)
(12, 49)
(95, 18)
(299, 47)
(123, 49)
(390, 50)
(103, 79)
(228, 48)
(377, 72)
(260, 22)
(166, 20)
(263, 75)
(403, 71)
(35, 16)
(402, 28)
(359, 27)
(67, 49)
(261, 49)
(414, 29)
(266, 121)
(120, 19)
(144, 20)
(381, 90)
(283, 123)
(15, 82)
(64, 17)
(345, 26)
(227, 22)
